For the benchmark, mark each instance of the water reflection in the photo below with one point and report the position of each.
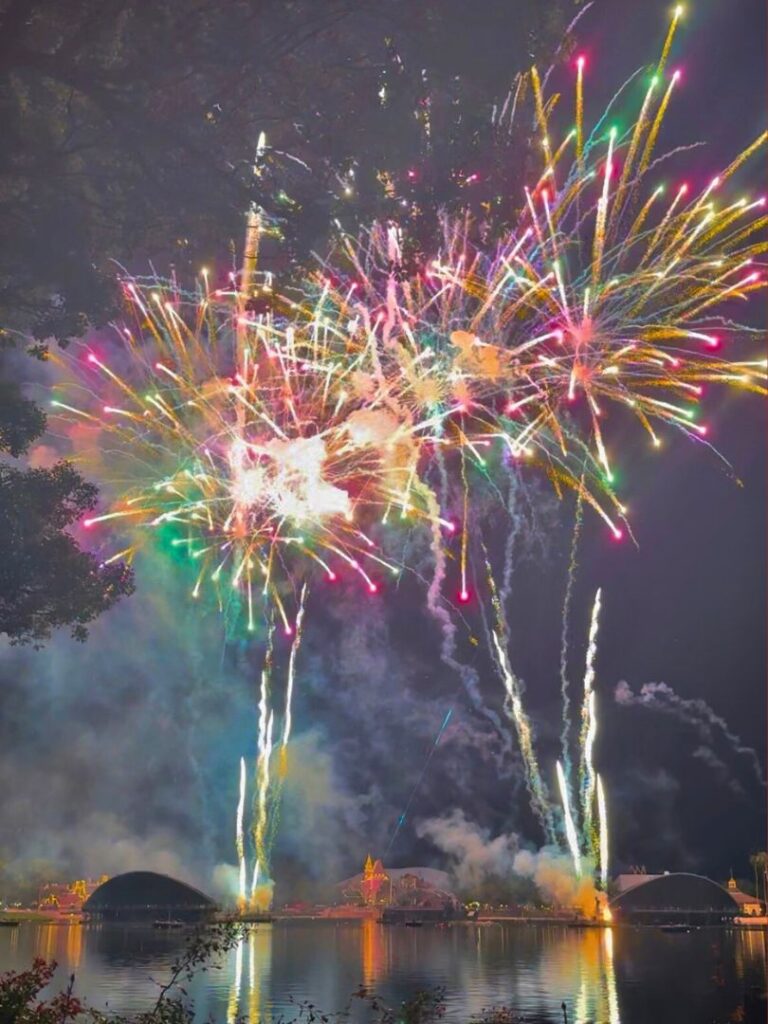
(610, 976)
(233, 1005)
(259, 973)
(614, 1016)
(62, 942)
(597, 997)
(74, 945)
(372, 940)
(256, 946)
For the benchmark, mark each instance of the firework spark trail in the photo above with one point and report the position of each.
(595, 839)
(535, 784)
(239, 836)
(464, 593)
(262, 867)
(580, 109)
(602, 812)
(275, 793)
(676, 15)
(539, 800)
(564, 681)
(588, 730)
(298, 634)
(570, 828)
(509, 546)
(263, 756)
(540, 803)
(442, 617)
(593, 321)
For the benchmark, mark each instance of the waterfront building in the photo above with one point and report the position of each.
(410, 887)
(373, 881)
(672, 898)
(67, 897)
(749, 906)
(146, 895)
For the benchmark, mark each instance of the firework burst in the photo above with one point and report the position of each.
(247, 441)
(613, 292)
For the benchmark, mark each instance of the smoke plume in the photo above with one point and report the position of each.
(697, 714)
(480, 861)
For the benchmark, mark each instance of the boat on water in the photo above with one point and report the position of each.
(168, 925)
(414, 924)
(255, 918)
(5, 923)
(676, 928)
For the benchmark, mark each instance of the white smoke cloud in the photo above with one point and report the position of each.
(225, 883)
(474, 856)
(105, 846)
(551, 871)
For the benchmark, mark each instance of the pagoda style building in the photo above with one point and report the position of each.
(374, 878)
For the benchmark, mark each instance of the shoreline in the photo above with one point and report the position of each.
(739, 924)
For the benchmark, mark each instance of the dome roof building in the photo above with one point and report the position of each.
(146, 895)
(676, 897)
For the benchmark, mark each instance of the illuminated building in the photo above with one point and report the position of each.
(68, 898)
(414, 888)
(749, 906)
(374, 878)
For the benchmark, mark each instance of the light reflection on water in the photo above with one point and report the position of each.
(604, 976)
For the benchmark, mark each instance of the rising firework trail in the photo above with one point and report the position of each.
(564, 681)
(588, 730)
(570, 827)
(539, 799)
(288, 718)
(588, 846)
(262, 882)
(602, 814)
(282, 767)
(239, 835)
(499, 633)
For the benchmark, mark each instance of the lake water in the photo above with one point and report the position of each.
(607, 976)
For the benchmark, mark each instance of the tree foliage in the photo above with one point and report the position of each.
(46, 580)
(21, 420)
(20, 1002)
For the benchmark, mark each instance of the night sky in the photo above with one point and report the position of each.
(123, 753)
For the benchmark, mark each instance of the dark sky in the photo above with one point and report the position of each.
(124, 753)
